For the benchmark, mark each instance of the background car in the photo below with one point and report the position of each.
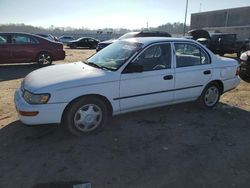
(48, 36)
(65, 39)
(219, 43)
(26, 48)
(83, 42)
(103, 44)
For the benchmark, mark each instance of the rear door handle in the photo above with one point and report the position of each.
(168, 77)
(207, 72)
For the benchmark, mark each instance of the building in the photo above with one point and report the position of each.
(235, 20)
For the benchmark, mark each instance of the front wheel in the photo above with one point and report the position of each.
(210, 96)
(85, 115)
(44, 58)
(93, 46)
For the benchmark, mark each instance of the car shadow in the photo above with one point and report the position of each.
(174, 146)
(16, 71)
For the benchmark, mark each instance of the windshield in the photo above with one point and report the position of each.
(115, 55)
(128, 35)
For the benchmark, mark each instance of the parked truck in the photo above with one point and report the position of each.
(220, 43)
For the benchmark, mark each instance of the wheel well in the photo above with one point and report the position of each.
(219, 83)
(106, 101)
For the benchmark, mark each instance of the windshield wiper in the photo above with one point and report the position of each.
(97, 66)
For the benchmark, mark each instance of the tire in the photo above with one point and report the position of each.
(93, 47)
(44, 58)
(85, 115)
(210, 96)
(244, 76)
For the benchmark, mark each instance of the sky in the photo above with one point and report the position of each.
(98, 14)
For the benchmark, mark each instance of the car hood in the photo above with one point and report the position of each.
(199, 33)
(64, 76)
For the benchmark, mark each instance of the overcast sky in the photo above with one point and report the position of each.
(95, 14)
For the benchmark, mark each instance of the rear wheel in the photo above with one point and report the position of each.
(210, 96)
(44, 58)
(85, 115)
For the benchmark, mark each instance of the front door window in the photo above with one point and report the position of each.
(155, 58)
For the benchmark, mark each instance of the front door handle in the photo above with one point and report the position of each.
(168, 77)
(207, 72)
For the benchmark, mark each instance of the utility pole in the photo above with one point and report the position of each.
(185, 21)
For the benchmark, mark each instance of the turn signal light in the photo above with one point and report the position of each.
(23, 113)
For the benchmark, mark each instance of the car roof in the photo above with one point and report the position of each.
(149, 40)
(66, 36)
(222, 34)
(22, 33)
(86, 38)
(42, 34)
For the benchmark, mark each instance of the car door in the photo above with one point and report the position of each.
(23, 48)
(5, 52)
(228, 42)
(193, 70)
(83, 42)
(80, 43)
(154, 85)
(92, 43)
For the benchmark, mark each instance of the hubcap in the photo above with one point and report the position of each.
(211, 96)
(88, 117)
(44, 59)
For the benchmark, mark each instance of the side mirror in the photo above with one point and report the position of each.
(133, 67)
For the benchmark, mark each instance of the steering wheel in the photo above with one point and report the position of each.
(158, 67)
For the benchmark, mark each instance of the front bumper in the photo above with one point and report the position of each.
(47, 113)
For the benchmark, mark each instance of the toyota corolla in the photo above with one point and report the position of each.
(128, 75)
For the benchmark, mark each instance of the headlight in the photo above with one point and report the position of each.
(35, 98)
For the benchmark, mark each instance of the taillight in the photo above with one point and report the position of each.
(237, 71)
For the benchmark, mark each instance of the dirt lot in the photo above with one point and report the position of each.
(174, 146)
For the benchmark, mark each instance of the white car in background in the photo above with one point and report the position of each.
(65, 39)
(128, 75)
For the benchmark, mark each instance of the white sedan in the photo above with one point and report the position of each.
(129, 75)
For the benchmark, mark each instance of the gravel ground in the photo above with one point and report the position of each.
(173, 146)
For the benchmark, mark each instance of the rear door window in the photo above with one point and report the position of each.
(22, 39)
(190, 55)
(155, 57)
